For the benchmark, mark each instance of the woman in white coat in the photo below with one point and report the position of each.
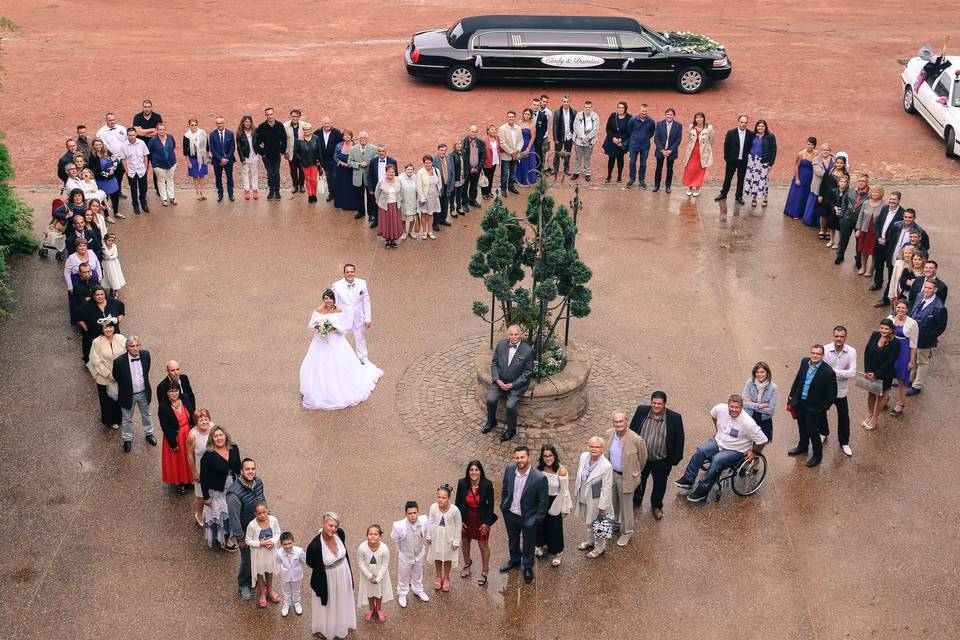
(698, 155)
(105, 348)
(429, 187)
(594, 494)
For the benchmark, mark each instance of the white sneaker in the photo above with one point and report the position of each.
(285, 610)
(846, 450)
(689, 192)
(624, 540)
(696, 192)
(298, 608)
(402, 600)
(423, 596)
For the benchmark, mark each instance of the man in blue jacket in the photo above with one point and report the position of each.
(223, 147)
(931, 316)
(640, 130)
(666, 142)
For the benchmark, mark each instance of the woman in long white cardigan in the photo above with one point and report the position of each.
(103, 351)
(594, 494)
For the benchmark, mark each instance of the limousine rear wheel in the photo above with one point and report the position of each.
(690, 80)
(461, 77)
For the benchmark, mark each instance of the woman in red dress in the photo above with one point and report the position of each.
(475, 502)
(698, 155)
(175, 421)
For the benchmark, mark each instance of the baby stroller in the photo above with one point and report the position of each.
(53, 237)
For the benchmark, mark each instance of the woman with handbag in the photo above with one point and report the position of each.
(760, 398)
(475, 502)
(490, 162)
(615, 145)
(594, 497)
(879, 360)
(308, 152)
(698, 155)
(103, 351)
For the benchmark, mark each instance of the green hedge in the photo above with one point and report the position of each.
(16, 228)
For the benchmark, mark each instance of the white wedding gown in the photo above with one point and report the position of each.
(331, 375)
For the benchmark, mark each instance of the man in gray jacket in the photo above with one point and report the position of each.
(510, 372)
(242, 499)
(359, 159)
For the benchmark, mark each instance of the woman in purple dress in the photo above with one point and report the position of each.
(527, 168)
(906, 329)
(802, 175)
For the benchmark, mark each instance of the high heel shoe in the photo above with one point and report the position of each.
(764, 203)
(753, 203)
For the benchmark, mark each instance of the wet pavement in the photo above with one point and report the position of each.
(687, 295)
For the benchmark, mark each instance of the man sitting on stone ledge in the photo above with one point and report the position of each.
(510, 371)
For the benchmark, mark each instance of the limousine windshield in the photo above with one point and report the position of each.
(454, 32)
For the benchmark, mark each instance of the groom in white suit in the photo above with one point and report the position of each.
(354, 299)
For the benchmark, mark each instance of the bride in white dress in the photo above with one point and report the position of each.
(331, 375)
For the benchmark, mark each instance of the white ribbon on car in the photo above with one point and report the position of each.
(628, 62)
(478, 63)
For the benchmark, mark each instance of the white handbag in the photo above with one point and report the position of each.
(322, 185)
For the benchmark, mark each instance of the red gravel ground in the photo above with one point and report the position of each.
(815, 68)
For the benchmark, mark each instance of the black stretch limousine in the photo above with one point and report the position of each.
(558, 48)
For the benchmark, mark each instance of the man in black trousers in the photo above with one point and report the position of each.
(272, 139)
(813, 392)
(889, 213)
(736, 150)
(662, 433)
(524, 502)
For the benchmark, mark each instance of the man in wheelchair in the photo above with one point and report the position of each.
(738, 437)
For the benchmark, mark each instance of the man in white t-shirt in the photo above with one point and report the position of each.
(737, 436)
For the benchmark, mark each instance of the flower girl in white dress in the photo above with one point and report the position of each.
(331, 375)
(112, 273)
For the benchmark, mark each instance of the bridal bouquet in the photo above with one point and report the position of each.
(324, 329)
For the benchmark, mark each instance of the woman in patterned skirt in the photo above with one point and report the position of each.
(763, 153)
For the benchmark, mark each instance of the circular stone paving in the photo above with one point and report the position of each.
(436, 399)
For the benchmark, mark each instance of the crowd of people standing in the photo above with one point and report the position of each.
(410, 201)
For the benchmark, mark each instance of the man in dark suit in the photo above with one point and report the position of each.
(898, 236)
(929, 273)
(666, 141)
(541, 126)
(889, 213)
(813, 392)
(223, 148)
(66, 159)
(662, 432)
(132, 373)
(175, 378)
(443, 161)
(78, 229)
(563, 135)
(330, 137)
(272, 140)
(510, 373)
(736, 151)
(523, 502)
(377, 171)
(931, 316)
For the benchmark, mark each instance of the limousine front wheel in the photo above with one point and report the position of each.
(691, 80)
(461, 77)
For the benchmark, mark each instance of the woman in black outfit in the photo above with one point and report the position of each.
(550, 531)
(92, 312)
(475, 502)
(879, 358)
(219, 466)
(615, 145)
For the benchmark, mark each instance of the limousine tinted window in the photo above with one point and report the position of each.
(565, 40)
(634, 42)
(492, 40)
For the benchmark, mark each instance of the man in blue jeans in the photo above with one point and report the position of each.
(641, 128)
(243, 496)
(738, 436)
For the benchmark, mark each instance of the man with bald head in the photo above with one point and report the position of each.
(175, 378)
(510, 374)
(474, 156)
(627, 454)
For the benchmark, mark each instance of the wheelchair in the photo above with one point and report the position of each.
(744, 477)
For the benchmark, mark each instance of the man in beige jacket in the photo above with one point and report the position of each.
(627, 454)
(511, 144)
